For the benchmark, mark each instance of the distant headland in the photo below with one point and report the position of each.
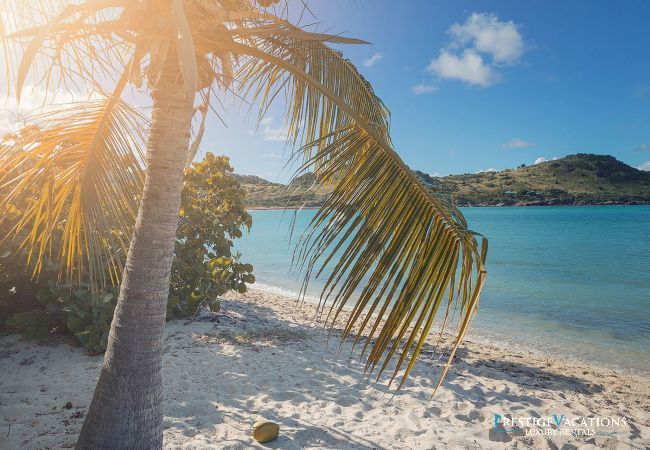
(581, 179)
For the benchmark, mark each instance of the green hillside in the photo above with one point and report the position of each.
(582, 179)
(301, 192)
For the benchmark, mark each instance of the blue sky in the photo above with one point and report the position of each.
(499, 83)
(473, 85)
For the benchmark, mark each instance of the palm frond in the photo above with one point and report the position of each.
(402, 255)
(80, 167)
(62, 44)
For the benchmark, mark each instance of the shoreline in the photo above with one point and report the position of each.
(478, 333)
(265, 356)
(298, 208)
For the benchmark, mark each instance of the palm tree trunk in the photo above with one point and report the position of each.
(126, 410)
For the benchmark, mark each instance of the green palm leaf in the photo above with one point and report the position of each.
(400, 254)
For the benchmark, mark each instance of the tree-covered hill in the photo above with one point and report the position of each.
(301, 192)
(582, 179)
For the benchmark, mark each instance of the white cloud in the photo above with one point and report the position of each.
(491, 169)
(8, 121)
(479, 47)
(423, 88)
(541, 159)
(469, 68)
(374, 59)
(276, 134)
(517, 143)
(34, 100)
(271, 155)
(487, 34)
(269, 133)
(643, 148)
(644, 166)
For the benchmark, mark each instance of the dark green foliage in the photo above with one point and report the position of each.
(40, 308)
(19, 303)
(212, 215)
(86, 314)
(34, 324)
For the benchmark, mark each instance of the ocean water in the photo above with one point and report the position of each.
(563, 280)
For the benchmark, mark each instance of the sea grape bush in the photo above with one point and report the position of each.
(84, 313)
(213, 214)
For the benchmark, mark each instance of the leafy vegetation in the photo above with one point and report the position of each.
(74, 309)
(213, 213)
(581, 179)
(204, 267)
(43, 305)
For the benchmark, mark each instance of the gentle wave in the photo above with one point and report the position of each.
(485, 335)
(567, 280)
(284, 292)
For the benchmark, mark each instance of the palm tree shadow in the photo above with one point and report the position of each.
(245, 356)
(532, 377)
(250, 372)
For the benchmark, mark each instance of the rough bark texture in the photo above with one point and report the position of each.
(126, 410)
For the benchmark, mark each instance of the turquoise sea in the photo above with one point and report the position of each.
(564, 280)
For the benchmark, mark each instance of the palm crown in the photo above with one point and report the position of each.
(407, 250)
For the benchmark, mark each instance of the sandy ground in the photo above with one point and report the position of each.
(264, 357)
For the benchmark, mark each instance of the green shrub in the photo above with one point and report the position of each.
(204, 267)
(74, 309)
(212, 215)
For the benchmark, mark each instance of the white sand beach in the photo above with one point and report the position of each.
(263, 356)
